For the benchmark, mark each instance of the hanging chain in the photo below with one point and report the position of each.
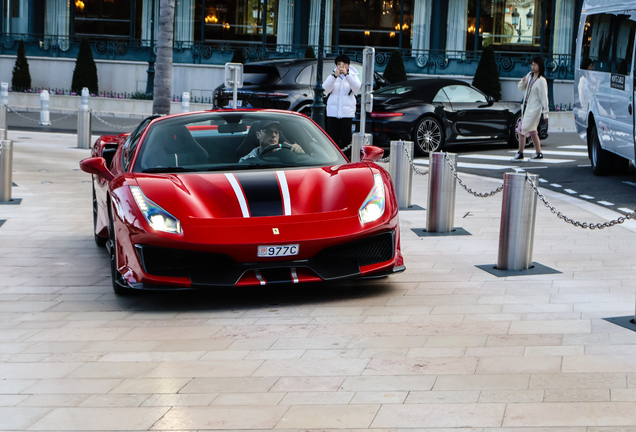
(560, 215)
(466, 188)
(37, 120)
(110, 124)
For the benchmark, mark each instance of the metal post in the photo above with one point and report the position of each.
(318, 107)
(4, 102)
(516, 232)
(6, 169)
(185, 102)
(359, 140)
(234, 87)
(84, 122)
(3, 134)
(440, 213)
(45, 116)
(150, 81)
(401, 172)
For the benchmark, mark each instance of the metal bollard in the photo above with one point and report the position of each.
(45, 116)
(516, 232)
(3, 134)
(84, 122)
(440, 213)
(185, 102)
(6, 169)
(401, 172)
(357, 141)
(4, 102)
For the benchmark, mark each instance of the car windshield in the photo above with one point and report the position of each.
(227, 141)
(394, 90)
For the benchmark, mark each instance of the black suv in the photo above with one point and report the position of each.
(286, 84)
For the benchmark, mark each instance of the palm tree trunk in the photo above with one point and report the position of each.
(163, 66)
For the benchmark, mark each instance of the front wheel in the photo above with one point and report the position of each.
(428, 136)
(601, 159)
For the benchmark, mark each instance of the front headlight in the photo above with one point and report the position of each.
(373, 207)
(156, 217)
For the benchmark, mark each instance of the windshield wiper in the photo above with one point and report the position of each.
(169, 169)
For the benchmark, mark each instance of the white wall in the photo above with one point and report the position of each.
(114, 76)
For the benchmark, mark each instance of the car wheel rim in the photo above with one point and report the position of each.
(429, 135)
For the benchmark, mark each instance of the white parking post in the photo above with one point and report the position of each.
(45, 117)
(234, 79)
(401, 172)
(84, 122)
(185, 102)
(366, 103)
(4, 102)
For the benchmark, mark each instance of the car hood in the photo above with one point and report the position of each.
(296, 192)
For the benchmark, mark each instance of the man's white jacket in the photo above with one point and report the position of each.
(343, 89)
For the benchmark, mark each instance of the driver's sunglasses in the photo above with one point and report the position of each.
(272, 131)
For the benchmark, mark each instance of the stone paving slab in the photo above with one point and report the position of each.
(442, 347)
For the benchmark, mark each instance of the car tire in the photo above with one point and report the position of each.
(513, 141)
(99, 241)
(428, 136)
(601, 159)
(116, 277)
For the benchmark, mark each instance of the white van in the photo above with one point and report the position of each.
(604, 83)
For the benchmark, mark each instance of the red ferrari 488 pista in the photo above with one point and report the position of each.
(239, 197)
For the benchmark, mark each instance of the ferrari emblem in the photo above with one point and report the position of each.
(275, 230)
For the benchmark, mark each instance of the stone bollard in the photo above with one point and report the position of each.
(401, 171)
(45, 116)
(518, 214)
(440, 212)
(185, 102)
(6, 169)
(84, 122)
(357, 141)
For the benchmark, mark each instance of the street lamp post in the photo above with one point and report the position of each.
(150, 82)
(318, 107)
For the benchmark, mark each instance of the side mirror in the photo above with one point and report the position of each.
(370, 153)
(97, 166)
(489, 102)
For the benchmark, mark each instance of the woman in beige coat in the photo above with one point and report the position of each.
(535, 103)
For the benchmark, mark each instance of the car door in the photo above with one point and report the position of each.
(473, 116)
(621, 117)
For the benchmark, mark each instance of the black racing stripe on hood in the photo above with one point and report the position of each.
(262, 193)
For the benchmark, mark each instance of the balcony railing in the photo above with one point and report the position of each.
(431, 62)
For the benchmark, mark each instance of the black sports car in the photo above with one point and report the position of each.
(286, 84)
(434, 112)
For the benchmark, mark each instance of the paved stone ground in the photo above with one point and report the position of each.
(442, 347)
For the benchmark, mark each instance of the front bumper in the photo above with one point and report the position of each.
(370, 256)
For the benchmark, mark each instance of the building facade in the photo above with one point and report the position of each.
(441, 37)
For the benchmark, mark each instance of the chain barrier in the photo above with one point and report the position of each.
(466, 188)
(38, 120)
(110, 124)
(584, 225)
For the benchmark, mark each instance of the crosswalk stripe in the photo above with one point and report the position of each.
(570, 191)
(469, 165)
(506, 158)
(626, 210)
(605, 203)
(565, 153)
(574, 147)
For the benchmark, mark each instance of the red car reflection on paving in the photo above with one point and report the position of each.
(179, 205)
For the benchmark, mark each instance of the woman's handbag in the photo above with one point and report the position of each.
(542, 128)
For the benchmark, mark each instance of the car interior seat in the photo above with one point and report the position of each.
(174, 146)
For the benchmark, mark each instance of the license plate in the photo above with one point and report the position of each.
(278, 250)
(239, 103)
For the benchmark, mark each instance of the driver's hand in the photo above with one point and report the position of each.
(296, 148)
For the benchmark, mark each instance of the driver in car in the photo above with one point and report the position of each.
(268, 137)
